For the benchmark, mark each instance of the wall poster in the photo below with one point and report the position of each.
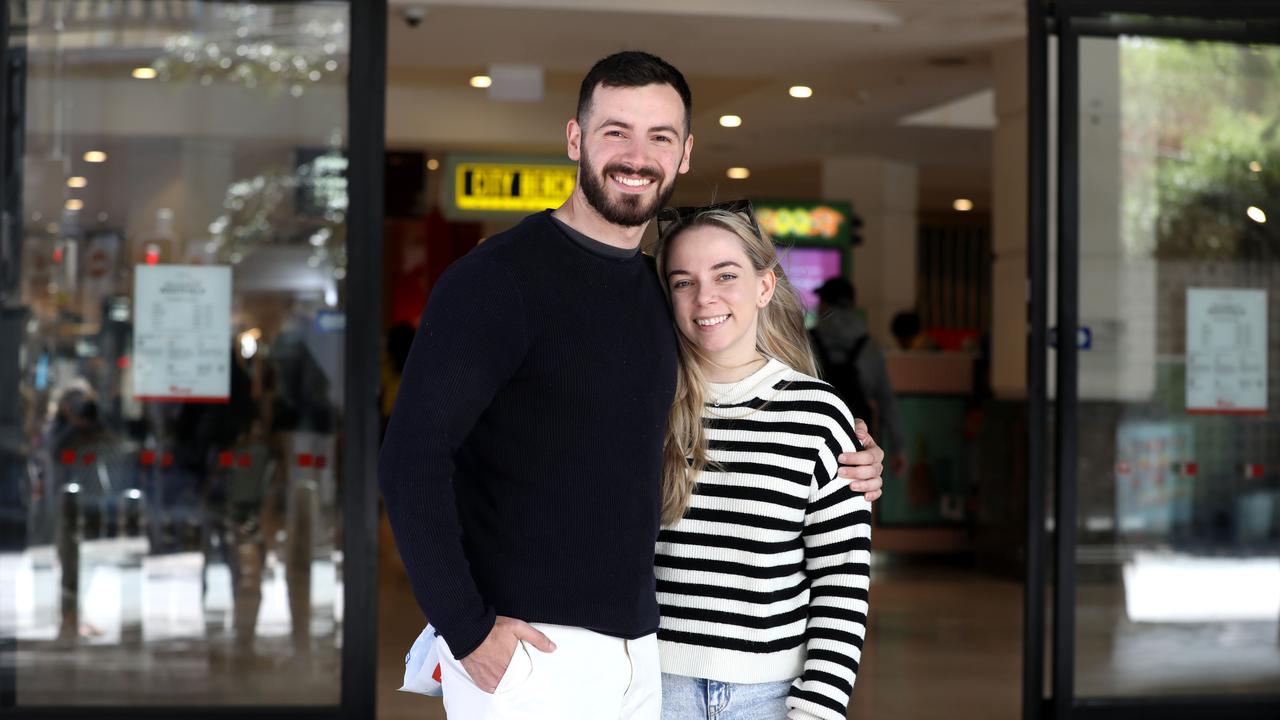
(1227, 351)
(182, 333)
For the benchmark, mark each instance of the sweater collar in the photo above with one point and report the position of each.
(590, 244)
(758, 384)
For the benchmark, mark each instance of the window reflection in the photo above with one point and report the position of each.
(179, 500)
(1179, 558)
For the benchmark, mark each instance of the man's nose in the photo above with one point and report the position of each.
(634, 153)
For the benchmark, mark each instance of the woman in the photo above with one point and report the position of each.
(763, 561)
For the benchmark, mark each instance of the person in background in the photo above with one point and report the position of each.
(909, 333)
(763, 564)
(399, 340)
(850, 360)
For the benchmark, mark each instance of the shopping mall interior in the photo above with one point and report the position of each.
(222, 222)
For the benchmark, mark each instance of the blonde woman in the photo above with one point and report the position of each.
(764, 557)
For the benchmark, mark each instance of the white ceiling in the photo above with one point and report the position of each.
(871, 64)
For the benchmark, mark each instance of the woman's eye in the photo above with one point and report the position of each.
(680, 284)
(728, 276)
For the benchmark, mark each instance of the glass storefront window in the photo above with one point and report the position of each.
(171, 457)
(1179, 531)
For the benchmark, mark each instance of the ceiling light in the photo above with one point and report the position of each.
(481, 81)
(76, 182)
(1255, 214)
(730, 121)
(144, 73)
(1255, 166)
(95, 156)
(433, 164)
(962, 204)
(801, 91)
(74, 204)
(738, 173)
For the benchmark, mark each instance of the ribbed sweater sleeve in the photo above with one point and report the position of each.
(837, 561)
(470, 342)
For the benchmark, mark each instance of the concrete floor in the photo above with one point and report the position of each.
(943, 643)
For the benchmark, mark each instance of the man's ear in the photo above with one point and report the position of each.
(573, 136)
(688, 151)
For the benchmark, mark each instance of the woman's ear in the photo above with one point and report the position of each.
(768, 281)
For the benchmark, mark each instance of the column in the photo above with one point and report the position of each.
(884, 194)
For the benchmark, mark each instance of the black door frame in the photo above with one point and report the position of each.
(366, 101)
(1241, 21)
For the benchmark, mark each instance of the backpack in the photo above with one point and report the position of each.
(845, 379)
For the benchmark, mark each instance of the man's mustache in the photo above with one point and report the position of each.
(624, 169)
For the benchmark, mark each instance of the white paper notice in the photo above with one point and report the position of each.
(1226, 351)
(182, 333)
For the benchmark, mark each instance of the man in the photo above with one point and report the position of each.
(521, 465)
(854, 364)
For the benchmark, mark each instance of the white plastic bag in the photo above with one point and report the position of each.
(422, 665)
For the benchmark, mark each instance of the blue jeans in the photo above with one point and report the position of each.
(686, 698)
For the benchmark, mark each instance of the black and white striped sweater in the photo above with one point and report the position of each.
(765, 578)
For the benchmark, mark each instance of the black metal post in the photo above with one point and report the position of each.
(366, 95)
(1065, 407)
(12, 324)
(1037, 357)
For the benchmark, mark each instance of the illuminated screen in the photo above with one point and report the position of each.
(809, 267)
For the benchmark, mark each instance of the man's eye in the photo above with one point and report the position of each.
(661, 139)
(613, 133)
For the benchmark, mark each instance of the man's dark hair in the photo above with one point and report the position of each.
(634, 69)
(837, 292)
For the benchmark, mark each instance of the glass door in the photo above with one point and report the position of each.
(1167, 405)
(177, 438)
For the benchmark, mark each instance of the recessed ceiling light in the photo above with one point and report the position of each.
(481, 81)
(76, 182)
(801, 91)
(74, 204)
(962, 204)
(730, 121)
(738, 173)
(95, 156)
(144, 73)
(1255, 214)
(433, 164)
(1255, 166)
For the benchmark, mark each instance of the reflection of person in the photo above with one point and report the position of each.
(74, 423)
(521, 467)
(763, 567)
(851, 360)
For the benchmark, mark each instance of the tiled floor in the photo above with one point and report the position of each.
(943, 643)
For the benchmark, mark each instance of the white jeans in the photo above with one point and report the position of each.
(589, 676)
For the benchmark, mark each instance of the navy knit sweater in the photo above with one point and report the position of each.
(521, 467)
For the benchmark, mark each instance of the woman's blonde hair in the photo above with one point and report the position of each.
(780, 334)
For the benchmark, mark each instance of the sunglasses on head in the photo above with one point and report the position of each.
(673, 218)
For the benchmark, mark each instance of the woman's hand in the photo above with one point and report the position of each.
(866, 467)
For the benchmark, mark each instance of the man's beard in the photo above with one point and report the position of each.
(628, 210)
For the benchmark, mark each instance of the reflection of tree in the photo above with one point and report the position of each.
(263, 210)
(1202, 127)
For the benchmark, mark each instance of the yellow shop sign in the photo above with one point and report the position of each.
(486, 186)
